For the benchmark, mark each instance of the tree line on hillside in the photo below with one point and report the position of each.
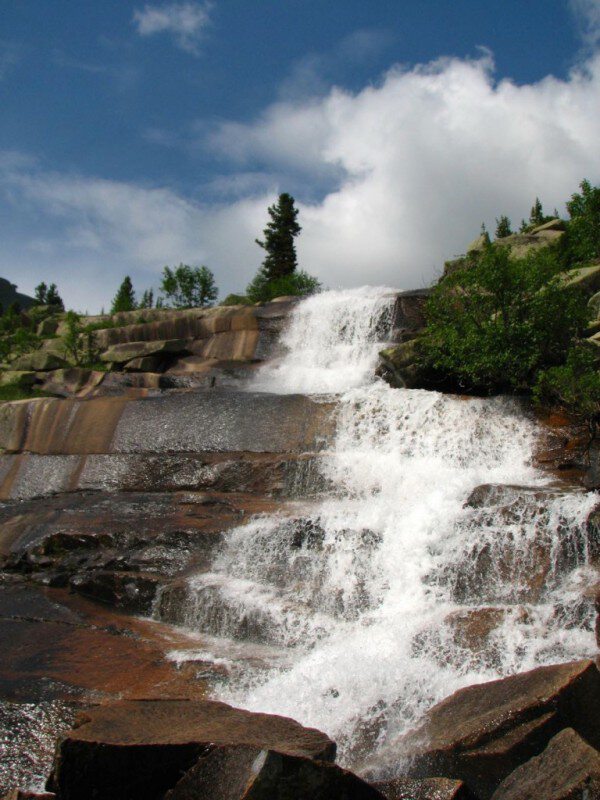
(500, 323)
(185, 286)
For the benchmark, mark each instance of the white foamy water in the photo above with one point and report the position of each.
(394, 593)
(331, 345)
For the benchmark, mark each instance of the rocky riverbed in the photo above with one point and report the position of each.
(262, 532)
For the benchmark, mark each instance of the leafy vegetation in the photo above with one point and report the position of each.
(79, 341)
(14, 392)
(189, 287)
(262, 290)
(493, 325)
(236, 300)
(583, 232)
(574, 387)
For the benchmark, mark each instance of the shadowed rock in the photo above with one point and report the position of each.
(132, 750)
(482, 733)
(568, 769)
(252, 773)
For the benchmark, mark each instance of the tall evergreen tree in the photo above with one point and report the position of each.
(503, 228)
(147, 300)
(124, 300)
(41, 293)
(536, 216)
(54, 299)
(279, 237)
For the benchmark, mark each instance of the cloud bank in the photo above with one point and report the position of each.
(411, 167)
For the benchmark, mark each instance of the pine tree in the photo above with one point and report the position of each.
(124, 299)
(41, 293)
(54, 299)
(536, 216)
(278, 240)
(503, 228)
(147, 300)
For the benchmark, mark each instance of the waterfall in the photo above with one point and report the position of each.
(332, 343)
(409, 581)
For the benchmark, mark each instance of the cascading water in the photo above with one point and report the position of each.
(408, 582)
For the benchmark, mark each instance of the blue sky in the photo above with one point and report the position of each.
(134, 135)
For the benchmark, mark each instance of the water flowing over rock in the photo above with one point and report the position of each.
(328, 549)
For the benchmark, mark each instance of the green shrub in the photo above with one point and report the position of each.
(493, 324)
(79, 341)
(236, 300)
(261, 289)
(14, 392)
(574, 386)
(583, 230)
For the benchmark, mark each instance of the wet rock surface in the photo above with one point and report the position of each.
(131, 750)
(567, 768)
(482, 733)
(426, 789)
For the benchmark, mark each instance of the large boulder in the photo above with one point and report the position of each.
(122, 353)
(252, 773)
(584, 278)
(399, 365)
(482, 733)
(138, 750)
(409, 314)
(39, 361)
(567, 769)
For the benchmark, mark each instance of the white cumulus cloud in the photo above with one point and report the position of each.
(186, 22)
(408, 169)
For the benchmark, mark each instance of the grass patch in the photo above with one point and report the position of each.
(14, 392)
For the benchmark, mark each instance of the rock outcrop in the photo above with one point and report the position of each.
(568, 768)
(143, 749)
(483, 733)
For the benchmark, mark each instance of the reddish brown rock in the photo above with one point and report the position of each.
(252, 773)
(20, 794)
(568, 769)
(482, 733)
(425, 789)
(131, 750)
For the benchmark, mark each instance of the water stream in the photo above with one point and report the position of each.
(404, 584)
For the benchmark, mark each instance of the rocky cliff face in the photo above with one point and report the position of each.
(258, 520)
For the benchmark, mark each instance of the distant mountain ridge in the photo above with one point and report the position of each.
(9, 295)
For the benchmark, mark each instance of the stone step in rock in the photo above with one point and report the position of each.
(482, 733)
(139, 750)
(220, 420)
(26, 476)
(121, 548)
(567, 769)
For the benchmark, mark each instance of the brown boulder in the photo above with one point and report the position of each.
(251, 773)
(482, 733)
(568, 769)
(425, 789)
(139, 749)
(20, 794)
